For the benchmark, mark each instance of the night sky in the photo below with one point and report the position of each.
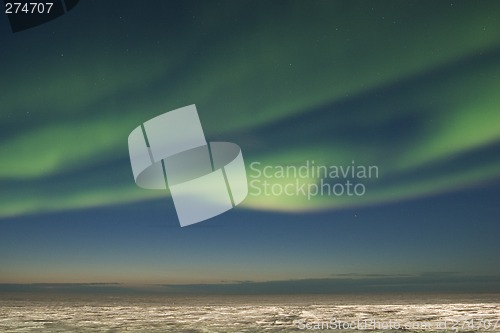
(410, 87)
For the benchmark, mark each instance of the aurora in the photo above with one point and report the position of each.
(374, 124)
(417, 102)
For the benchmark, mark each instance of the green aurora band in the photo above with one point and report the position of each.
(409, 88)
